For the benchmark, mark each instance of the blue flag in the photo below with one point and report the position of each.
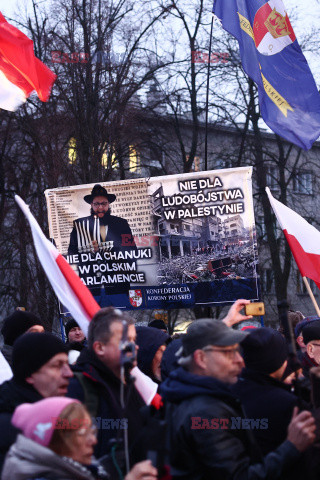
(271, 56)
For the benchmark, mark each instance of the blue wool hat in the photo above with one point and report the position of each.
(311, 331)
(300, 326)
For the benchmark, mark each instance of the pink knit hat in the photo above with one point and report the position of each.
(38, 420)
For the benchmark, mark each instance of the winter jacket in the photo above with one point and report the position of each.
(79, 346)
(265, 397)
(28, 460)
(12, 394)
(209, 436)
(100, 392)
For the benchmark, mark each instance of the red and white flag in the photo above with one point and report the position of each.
(68, 287)
(272, 29)
(20, 71)
(303, 239)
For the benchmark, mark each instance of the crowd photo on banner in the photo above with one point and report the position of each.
(159, 286)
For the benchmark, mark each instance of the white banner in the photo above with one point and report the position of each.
(164, 242)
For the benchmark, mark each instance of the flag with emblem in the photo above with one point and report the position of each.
(271, 56)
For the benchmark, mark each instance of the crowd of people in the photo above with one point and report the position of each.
(133, 403)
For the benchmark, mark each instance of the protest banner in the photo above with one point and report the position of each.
(163, 242)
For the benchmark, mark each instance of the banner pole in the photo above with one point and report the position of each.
(316, 306)
(207, 98)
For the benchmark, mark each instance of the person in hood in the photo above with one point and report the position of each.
(208, 432)
(152, 343)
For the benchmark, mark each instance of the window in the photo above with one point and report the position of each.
(134, 159)
(196, 164)
(72, 150)
(108, 154)
(271, 178)
(302, 183)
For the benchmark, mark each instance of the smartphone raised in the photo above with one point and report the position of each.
(255, 309)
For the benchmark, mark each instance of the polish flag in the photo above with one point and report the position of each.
(303, 239)
(20, 71)
(68, 287)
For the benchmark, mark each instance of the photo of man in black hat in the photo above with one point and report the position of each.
(103, 233)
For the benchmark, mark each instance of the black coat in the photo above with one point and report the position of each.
(118, 232)
(12, 395)
(208, 440)
(111, 418)
(265, 397)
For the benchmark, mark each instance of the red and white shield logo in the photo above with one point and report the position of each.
(272, 28)
(135, 297)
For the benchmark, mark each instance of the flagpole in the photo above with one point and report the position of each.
(316, 306)
(207, 99)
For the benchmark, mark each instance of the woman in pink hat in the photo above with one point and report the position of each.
(57, 443)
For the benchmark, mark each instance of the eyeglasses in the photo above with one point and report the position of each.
(103, 204)
(316, 344)
(85, 432)
(230, 353)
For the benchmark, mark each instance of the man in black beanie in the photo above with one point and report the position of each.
(40, 370)
(76, 339)
(311, 339)
(15, 325)
(260, 389)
